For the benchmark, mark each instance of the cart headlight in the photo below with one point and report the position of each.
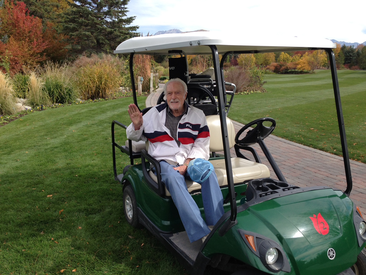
(362, 230)
(270, 253)
(360, 226)
(271, 256)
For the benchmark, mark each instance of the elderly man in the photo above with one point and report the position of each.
(177, 134)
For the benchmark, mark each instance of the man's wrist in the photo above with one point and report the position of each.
(137, 127)
(186, 163)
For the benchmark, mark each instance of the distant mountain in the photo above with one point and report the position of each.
(169, 31)
(177, 31)
(348, 44)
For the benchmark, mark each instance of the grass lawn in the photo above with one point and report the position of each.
(61, 210)
(304, 109)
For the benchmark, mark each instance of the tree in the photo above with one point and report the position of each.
(24, 39)
(304, 64)
(362, 59)
(22, 42)
(350, 55)
(265, 59)
(339, 56)
(284, 57)
(97, 26)
(320, 59)
(247, 61)
(47, 10)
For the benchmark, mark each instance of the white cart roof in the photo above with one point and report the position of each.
(197, 42)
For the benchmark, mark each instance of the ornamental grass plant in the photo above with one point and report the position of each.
(98, 77)
(36, 95)
(7, 97)
(59, 84)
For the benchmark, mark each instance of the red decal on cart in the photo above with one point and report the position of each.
(320, 224)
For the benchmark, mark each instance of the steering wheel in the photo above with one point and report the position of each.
(196, 95)
(259, 131)
(199, 95)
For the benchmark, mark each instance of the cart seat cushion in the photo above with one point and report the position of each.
(214, 124)
(243, 170)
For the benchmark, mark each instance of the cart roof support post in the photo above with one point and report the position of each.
(224, 131)
(132, 76)
(342, 131)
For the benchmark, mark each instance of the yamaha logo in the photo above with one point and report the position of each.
(331, 254)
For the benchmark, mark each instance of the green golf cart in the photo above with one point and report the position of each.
(270, 226)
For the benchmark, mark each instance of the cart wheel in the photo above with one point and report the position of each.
(249, 272)
(359, 268)
(130, 208)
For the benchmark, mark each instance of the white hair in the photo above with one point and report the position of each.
(177, 80)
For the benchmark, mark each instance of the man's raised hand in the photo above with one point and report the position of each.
(135, 115)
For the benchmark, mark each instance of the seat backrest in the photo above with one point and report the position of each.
(178, 68)
(213, 123)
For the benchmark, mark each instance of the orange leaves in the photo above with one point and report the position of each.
(25, 39)
(63, 270)
(25, 42)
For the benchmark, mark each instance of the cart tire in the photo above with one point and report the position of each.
(249, 272)
(359, 268)
(130, 208)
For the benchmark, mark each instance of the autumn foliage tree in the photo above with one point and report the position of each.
(21, 35)
(24, 40)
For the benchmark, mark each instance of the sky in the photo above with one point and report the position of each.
(340, 20)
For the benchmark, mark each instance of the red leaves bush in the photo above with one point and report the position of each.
(24, 42)
(283, 68)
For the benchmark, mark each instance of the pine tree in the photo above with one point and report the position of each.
(47, 10)
(362, 58)
(97, 26)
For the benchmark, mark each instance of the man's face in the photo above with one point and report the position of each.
(175, 96)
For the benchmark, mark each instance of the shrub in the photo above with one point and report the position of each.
(355, 67)
(160, 70)
(199, 63)
(247, 61)
(36, 96)
(58, 84)
(289, 68)
(7, 98)
(246, 81)
(256, 79)
(20, 85)
(22, 42)
(100, 80)
(239, 77)
(142, 67)
(100, 76)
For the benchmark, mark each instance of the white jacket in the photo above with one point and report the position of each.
(192, 132)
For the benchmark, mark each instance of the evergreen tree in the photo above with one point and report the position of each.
(47, 10)
(349, 55)
(362, 58)
(97, 26)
